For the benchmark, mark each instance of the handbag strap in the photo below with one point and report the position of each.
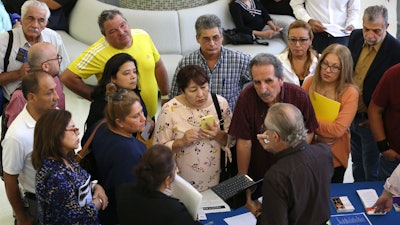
(218, 108)
(221, 125)
(85, 147)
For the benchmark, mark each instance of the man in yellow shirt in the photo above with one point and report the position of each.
(118, 38)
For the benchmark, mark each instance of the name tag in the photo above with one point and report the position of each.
(22, 55)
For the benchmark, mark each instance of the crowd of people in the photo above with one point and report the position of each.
(264, 110)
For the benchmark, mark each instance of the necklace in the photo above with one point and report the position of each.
(325, 92)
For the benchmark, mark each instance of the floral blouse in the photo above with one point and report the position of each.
(57, 194)
(198, 163)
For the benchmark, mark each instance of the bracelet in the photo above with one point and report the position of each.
(165, 97)
(383, 145)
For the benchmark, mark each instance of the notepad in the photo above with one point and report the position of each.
(325, 108)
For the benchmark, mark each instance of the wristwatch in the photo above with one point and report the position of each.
(165, 97)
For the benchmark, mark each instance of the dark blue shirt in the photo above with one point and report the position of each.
(116, 156)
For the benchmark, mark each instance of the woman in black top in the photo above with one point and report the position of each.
(145, 203)
(120, 69)
(250, 17)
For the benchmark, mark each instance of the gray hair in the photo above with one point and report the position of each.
(37, 4)
(372, 13)
(108, 15)
(208, 21)
(287, 120)
(267, 59)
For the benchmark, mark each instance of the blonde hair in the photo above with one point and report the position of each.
(310, 51)
(346, 69)
(119, 104)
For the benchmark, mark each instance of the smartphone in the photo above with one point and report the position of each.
(396, 203)
(209, 119)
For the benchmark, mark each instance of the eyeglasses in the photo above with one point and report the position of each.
(59, 58)
(215, 38)
(333, 68)
(302, 41)
(74, 129)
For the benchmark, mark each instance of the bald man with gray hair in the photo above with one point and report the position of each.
(296, 188)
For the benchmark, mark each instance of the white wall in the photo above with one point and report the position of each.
(390, 5)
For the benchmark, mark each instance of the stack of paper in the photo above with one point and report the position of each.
(368, 198)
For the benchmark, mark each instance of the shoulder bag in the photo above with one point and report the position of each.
(85, 157)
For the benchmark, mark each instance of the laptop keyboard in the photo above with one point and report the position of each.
(233, 186)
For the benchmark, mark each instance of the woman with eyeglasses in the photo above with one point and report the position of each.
(115, 148)
(298, 59)
(333, 80)
(146, 202)
(63, 188)
(178, 126)
(121, 70)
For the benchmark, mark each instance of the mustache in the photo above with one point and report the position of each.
(266, 94)
(34, 29)
(370, 40)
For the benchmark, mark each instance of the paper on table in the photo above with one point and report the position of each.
(352, 218)
(246, 218)
(336, 30)
(212, 203)
(325, 109)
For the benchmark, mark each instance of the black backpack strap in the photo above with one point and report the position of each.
(8, 51)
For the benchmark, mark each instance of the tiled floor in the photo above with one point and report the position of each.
(80, 108)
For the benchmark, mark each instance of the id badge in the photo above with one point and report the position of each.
(22, 55)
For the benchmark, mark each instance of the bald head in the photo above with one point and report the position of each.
(43, 56)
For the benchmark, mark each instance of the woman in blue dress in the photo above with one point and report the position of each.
(63, 188)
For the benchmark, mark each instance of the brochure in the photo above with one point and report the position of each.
(350, 219)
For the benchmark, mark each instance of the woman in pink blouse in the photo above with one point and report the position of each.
(178, 126)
